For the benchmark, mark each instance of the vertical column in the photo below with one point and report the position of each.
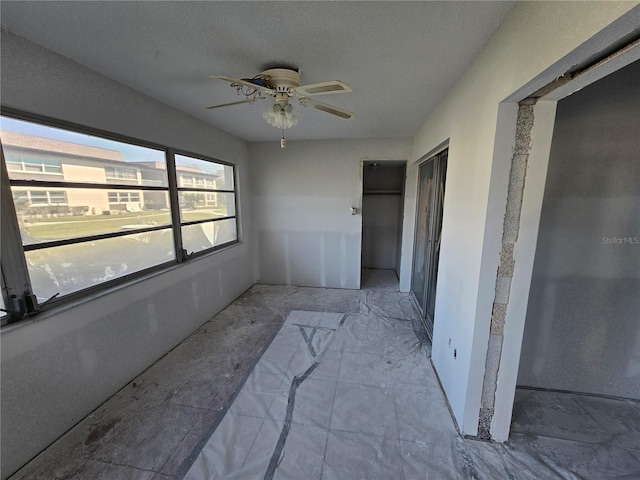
(511, 227)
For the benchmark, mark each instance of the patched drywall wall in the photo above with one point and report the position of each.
(301, 203)
(582, 329)
(538, 42)
(58, 369)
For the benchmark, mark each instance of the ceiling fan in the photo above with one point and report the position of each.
(283, 84)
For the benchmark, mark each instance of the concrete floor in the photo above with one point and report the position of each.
(157, 425)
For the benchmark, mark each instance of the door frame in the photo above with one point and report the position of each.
(531, 209)
(431, 281)
(386, 162)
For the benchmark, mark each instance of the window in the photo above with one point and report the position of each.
(21, 163)
(38, 198)
(207, 213)
(185, 181)
(120, 173)
(29, 198)
(89, 211)
(124, 197)
(72, 236)
(57, 197)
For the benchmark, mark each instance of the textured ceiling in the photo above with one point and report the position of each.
(400, 58)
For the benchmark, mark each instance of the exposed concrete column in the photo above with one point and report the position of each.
(511, 227)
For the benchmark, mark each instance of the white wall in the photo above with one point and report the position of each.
(59, 368)
(529, 50)
(301, 199)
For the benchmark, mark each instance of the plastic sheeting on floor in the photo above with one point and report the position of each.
(335, 396)
(353, 396)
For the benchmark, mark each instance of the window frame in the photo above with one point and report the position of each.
(120, 195)
(120, 173)
(48, 194)
(16, 280)
(205, 190)
(42, 164)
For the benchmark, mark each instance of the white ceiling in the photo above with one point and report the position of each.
(399, 57)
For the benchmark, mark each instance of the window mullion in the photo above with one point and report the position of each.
(174, 202)
(14, 266)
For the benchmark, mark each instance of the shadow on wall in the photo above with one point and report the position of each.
(310, 259)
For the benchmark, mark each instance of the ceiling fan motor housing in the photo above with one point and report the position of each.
(283, 78)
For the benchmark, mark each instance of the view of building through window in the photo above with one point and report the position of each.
(207, 217)
(90, 210)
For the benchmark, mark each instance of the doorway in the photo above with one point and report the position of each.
(382, 213)
(581, 329)
(426, 253)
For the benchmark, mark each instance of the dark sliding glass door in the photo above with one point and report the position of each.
(427, 241)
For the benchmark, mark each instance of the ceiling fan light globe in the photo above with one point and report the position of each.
(279, 119)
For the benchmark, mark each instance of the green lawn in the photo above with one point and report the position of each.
(72, 227)
(93, 218)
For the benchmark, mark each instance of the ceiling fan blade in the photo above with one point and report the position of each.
(323, 88)
(249, 100)
(238, 81)
(323, 107)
